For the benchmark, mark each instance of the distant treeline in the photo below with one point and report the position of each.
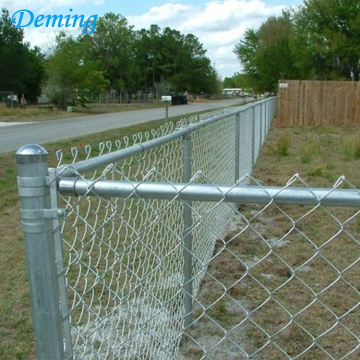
(114, 58)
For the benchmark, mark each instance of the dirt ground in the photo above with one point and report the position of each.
(273, 289)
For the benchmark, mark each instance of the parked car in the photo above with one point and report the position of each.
(11, 101)
(179, 100)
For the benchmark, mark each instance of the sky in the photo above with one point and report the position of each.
(219, 25)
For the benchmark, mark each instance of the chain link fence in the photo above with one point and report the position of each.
(166, 248)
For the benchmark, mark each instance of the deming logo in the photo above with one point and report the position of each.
(26, 18)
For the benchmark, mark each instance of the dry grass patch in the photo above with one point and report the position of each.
(285, 284)
(16, 331)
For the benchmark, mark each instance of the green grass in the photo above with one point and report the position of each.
(283, 145)
(351, 148)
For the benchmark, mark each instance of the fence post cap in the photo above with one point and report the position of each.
(31, 153)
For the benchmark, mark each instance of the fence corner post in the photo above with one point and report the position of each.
(36, 219)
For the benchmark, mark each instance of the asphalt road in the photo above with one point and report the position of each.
(13, 136)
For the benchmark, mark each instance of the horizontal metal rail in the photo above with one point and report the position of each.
(103, 160)
(241, 194)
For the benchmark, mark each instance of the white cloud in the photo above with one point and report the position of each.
(220, 15)
(161, 14)
(43, 36)
(219, 25)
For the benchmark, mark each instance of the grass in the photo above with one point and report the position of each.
(16, 334)
(351, 148)
(33, 113)
(319, 167)
(282, 145)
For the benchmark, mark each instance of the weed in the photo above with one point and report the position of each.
(283, 145)
(351, 148)
(306, 155)
(308, 151)
(218, 311)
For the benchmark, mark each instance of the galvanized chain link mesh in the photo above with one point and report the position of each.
(115, 253)
(277, 284)
(267, 279)
(248, 132)
(283, 283)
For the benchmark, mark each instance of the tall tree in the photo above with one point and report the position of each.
(266, 53)
(247, 52)
(112, 45)
(319, 40)
(72, 76)
(178, 59)
(329, 31)
(148, 57)
(239, 80)
(22, 67)
(275, 58)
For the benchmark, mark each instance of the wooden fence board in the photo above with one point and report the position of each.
(313, 103)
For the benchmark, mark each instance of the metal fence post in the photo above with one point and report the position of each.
(187, 235)
(260, 124)
(253, 119)
(237, 147)
(36, 218)
(265, 119)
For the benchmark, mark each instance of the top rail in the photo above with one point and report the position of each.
(241, 194)
(85, 166)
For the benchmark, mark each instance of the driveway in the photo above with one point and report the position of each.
(15, 135)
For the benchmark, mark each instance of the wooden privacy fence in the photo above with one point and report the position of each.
(328, 103)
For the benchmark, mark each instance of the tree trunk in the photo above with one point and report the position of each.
(356, 74)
